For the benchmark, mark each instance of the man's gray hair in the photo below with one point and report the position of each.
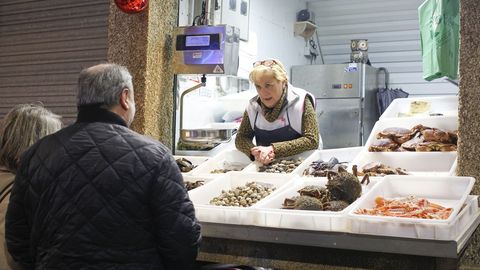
(103, 85)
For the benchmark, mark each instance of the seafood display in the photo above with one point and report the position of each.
(225, 170)
(243, 196)
(419, 138)
(320, 168)
(281, 166)
(409, 207)
(192, 185)
(185, 165)
(341, 190)
(379, 169)
(229, 166)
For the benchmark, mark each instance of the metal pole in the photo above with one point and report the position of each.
(195, 87)
(207, 11)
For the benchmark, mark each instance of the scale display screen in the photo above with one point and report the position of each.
(193, 41)
(198, 42)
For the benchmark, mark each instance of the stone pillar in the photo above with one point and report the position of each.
(143, 42)
(469, 108)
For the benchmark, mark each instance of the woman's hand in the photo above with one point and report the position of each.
(263, 154)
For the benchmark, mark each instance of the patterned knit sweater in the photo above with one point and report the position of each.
(309, 140)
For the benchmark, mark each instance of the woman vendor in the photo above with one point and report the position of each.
(281, 117)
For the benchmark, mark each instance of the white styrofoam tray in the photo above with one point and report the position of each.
(447, 191)
(254, 166)
(446, 105)
(415, 163)
(453, 169)
(446, 123)
(230, 214)
(271, 214)
(195, 160)
(436, 231)
(342, 154)
(225, 159)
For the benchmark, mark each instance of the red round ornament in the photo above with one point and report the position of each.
(131, 6)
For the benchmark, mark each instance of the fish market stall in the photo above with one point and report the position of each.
(411, 212)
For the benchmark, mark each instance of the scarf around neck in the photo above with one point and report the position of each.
(271, 114)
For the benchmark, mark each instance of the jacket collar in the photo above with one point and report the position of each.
(94, 113)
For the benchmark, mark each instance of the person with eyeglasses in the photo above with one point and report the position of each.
(281, 117)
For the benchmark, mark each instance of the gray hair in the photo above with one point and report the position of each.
(103, 84)
(24, 125)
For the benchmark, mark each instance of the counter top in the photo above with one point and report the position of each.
(339, 240)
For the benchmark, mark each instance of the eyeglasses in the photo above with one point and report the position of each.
(267, 63)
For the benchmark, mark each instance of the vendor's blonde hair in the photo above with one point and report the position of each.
(24, 125)
(276, 69)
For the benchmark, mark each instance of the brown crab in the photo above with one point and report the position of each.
(436, 135)
(396, 134)
(412, 143)
(303, 203)
(379, 169)
(419, 128)
(453, 136)
(318, 192)
(435, 146)
(192, 185)
(185, 165)
(383, 145)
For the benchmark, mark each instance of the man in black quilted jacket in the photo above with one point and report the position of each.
(97, 195)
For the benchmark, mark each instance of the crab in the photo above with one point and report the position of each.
(436, 135)
(345, 186)
(193, 185)
(383, 145)
(303, 203)
(318, 192)
(419, 128)
(377, 168)
(185, 165)
(435, 146)
(453, 136)
(320, 168)
(336, 206)
(396, 134)
(412, 143)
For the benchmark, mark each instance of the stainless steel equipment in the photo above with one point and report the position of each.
(346, 100)
(205, 50)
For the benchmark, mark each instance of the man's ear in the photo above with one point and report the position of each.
(124, 98)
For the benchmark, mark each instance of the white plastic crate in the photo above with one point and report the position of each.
(206, 212)
(415, 163)
(446, 123)
(195, 160)
(446, 105)
(254, 166)
(270, 213)
(449, 231)
(231, 158)
(342, 154)
(446, 191)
